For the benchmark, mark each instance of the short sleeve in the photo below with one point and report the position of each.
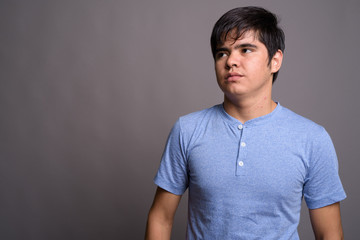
(322, 184)
(172, 174)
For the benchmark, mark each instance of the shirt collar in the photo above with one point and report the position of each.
(253, 122)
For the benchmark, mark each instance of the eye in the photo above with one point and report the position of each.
(246, 50)
(221, 55)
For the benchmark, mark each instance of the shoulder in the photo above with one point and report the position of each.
(301, 129)
(195, 120)
(190, 126)
(299, 123)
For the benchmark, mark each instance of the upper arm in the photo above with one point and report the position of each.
(326, 222)
(322, 185)
(164, 205)
(161, 215)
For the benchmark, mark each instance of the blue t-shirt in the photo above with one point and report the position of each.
(246, 181)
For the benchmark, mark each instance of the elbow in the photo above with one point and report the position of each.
(330, 236)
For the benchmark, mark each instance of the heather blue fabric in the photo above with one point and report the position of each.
(246, 181)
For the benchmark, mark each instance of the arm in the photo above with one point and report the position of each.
(161, 215)
(326, 222)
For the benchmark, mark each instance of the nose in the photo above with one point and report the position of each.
(232, 61)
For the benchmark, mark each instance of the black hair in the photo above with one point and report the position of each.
(243, 19)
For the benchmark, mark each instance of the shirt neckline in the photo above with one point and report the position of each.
(252, 122)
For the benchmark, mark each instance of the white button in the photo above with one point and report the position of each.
(243, 144)
(241, 163)
(240, 127)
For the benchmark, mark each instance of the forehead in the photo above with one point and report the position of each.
(236, 36)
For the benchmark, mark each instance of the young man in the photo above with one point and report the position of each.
(249, 161)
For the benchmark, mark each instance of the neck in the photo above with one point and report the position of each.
(247, 109)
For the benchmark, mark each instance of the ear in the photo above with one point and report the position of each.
(276, 61)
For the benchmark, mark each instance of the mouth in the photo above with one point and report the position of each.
(232, 77)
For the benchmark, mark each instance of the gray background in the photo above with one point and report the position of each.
(90, 89)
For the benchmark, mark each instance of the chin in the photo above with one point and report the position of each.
(233, 90)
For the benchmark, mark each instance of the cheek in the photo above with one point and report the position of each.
(258, 68)
(218, 71)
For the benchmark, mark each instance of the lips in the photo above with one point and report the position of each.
(233, 76)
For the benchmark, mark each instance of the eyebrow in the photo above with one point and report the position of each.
(244, 45)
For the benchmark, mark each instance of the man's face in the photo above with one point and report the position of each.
(242, 66)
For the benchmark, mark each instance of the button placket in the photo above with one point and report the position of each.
(240, 161)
